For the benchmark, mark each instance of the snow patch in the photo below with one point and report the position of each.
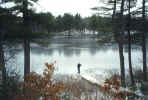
(139, 93)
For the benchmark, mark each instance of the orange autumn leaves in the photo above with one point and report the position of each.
(112, 86)
(43, 85)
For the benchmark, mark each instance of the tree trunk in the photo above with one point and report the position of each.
(113, 21)
(120, 43)
(2, 62)
(122, 68)
(144, 57)
(119, 38)
(26, 39)
(129, 44)
(26, 57)
(144, 44)
(26, 44)
(2, 69)
(129, 58)
(114, 10)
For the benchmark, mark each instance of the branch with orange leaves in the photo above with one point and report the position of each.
(112, 86)
(43, 85)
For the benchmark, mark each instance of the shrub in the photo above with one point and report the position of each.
(43, 85)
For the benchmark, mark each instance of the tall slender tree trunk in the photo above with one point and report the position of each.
(120, 44)
(26, 44)
(144, 43)
(2, 61)
(26, 39)
(114, 10)
(113, 21)
(119, 38)
(129, 58)
(26, 57)
(2, 64)
(2, 69)
(129, 43)
(122, 68)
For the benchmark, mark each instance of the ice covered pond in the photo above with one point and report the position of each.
(68, 52)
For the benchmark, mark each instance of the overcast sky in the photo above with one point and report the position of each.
(57, 7)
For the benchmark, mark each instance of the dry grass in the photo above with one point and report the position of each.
(81, 89)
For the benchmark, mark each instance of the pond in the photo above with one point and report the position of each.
(68, 52)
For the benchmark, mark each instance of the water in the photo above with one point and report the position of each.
(68, 52)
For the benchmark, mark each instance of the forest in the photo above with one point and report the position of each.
(120, 22)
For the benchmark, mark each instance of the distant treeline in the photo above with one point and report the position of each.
(41, 24)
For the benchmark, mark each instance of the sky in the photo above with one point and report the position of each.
(57, 7)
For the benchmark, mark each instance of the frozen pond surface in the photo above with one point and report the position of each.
(68, 52)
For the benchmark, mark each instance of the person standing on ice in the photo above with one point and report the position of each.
(78, 66)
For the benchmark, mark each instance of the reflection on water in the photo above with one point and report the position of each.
(69, 52)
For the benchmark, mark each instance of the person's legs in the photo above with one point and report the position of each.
(79, 70)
